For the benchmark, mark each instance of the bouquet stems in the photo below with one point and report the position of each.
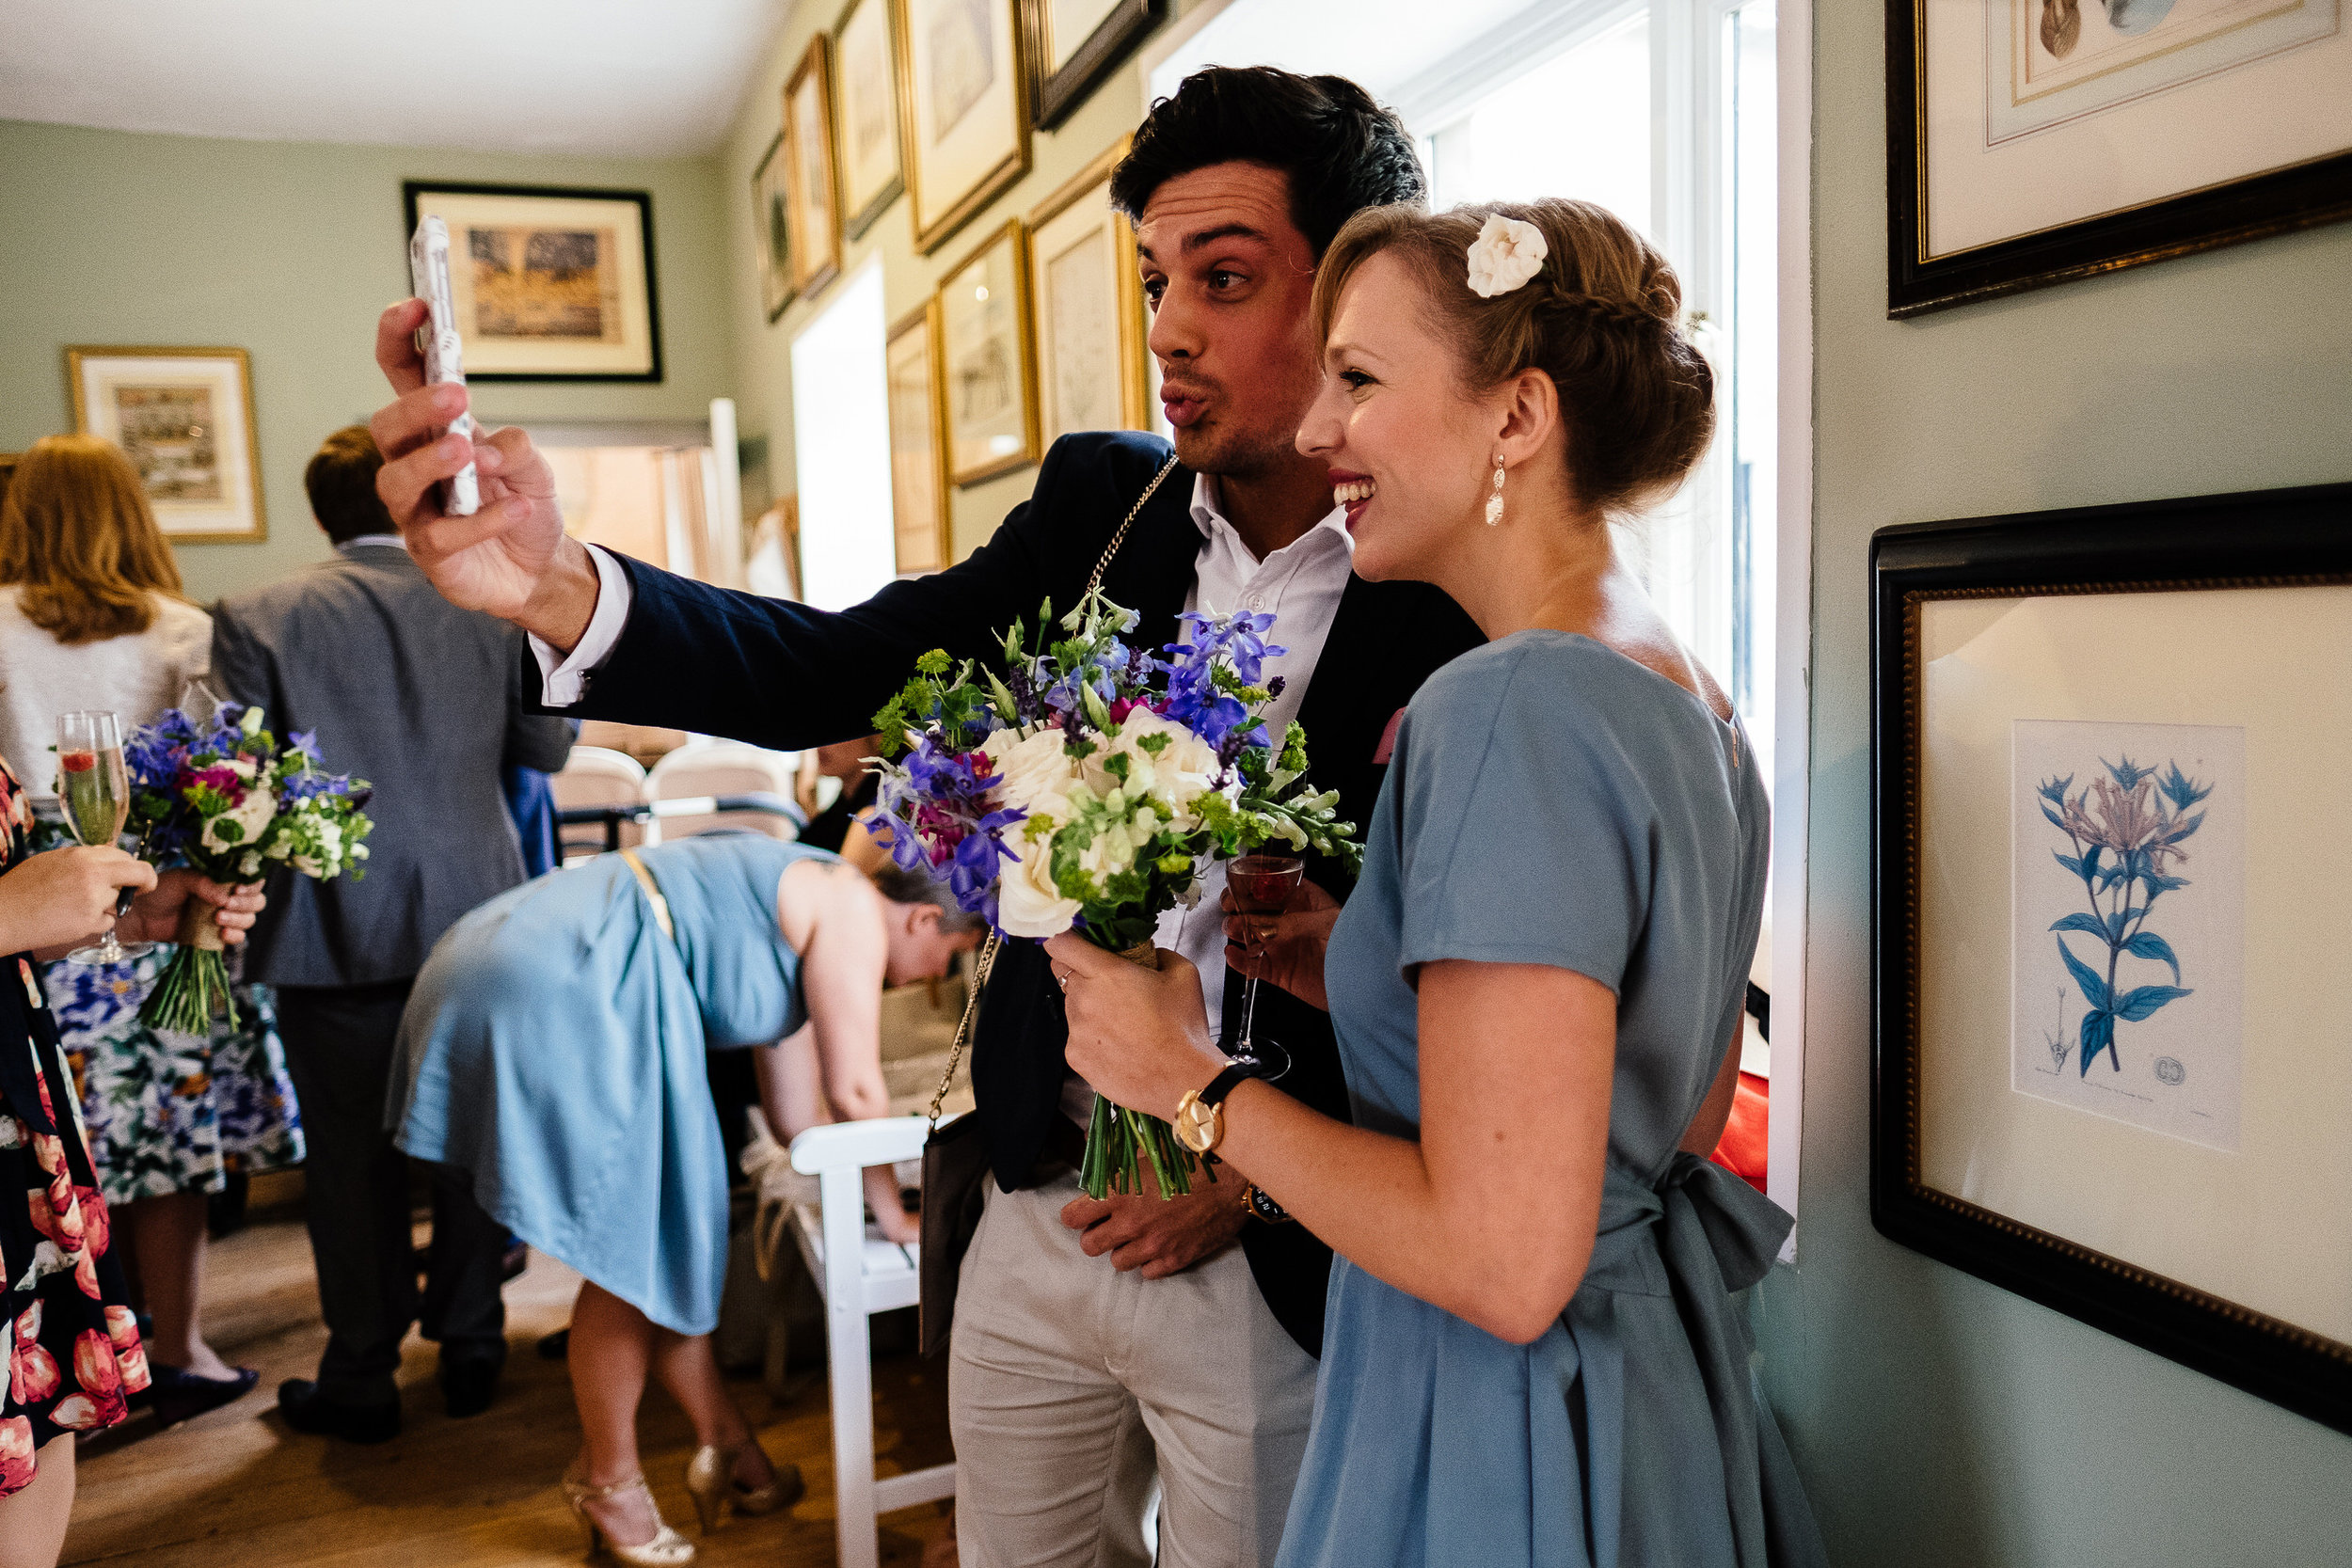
(195, 984)
(1120, 1143)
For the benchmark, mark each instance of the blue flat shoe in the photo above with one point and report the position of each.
(179, 1394)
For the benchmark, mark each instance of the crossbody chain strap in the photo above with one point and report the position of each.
(987, 960)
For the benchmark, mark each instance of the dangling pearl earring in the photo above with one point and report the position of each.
(1494, 501)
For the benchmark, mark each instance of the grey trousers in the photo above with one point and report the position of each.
(339, 1051)
(1072, 1385)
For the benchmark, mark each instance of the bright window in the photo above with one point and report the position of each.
(841, 447)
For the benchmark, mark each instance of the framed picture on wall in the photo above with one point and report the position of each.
(2034, 141)
(866, 78)
(2108, 750)
(964, 110)
(918, 457)
(185, 418)
(988, 352)
(809, 170)
(1074, 44)
(771, 230)
(1088, 309)
(551, 283)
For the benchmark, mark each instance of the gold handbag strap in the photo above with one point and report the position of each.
(987, 960)
(1094, 583)
(653, 893)
(980, 966)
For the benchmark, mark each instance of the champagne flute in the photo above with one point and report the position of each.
(94, 793)
(1262, 886)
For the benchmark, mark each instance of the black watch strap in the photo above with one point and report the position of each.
(1222, 1084)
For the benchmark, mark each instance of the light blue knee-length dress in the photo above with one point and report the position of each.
(1553, 802)
(554, 1051)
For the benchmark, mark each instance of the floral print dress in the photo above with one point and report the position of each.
(69, 1341)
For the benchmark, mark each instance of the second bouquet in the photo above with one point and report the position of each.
(1086, 787)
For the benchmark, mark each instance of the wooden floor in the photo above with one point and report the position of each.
(238, 1489)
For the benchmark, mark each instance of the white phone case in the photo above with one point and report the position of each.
(444, 360)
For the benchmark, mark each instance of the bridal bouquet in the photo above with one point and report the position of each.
(227, 798)
(1085, 789)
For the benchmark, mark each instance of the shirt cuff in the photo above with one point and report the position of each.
(564, 682)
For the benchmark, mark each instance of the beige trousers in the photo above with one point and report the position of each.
(1072, 1384)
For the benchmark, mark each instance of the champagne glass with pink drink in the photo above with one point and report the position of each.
(1262, 886)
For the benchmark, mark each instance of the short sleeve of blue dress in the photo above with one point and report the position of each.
(1553, 802)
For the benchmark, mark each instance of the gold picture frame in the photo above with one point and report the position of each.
(771, 231)
(964, 110)
(866, 95)
(1092, 366)
(185, 418)
(917, 378)
(811, 173)
(988, 361)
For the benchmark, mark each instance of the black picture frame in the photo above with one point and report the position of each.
(2277, 538)
(1054, 96)
(411, 189)
(2254, 208)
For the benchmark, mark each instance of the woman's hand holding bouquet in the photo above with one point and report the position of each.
(225, 801)
(1084, 788)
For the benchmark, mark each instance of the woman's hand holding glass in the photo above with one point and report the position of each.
(1139, 1036)
(1286, 951)
(53, 900)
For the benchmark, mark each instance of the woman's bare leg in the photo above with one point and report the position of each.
(32, 1521)
(166, 1237)
(611, 1347)
(691, 1373)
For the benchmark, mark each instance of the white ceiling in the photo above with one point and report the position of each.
(608, 77)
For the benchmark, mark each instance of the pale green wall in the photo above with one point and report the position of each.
(1940, 1420)
(764, 351)
(289, 250)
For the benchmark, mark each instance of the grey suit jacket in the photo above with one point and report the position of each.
(422, 700)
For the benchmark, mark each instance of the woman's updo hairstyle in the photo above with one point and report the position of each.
(1601, 317)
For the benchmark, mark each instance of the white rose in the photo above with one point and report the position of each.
(1507, 252)
(1028, 904)
(1185, 769)
(1033, 774)
(252, 814)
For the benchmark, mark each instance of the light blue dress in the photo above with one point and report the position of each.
(1553, 802)
(554, 1051)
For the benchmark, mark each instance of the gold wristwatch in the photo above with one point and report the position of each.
(1200, 1114)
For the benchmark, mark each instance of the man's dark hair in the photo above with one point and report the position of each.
(1341, 151)
(342, 482)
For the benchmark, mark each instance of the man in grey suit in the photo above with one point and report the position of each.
(424, 701)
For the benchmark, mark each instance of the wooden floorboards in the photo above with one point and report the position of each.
(238, 1489)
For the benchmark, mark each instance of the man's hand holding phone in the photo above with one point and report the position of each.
(512, 558)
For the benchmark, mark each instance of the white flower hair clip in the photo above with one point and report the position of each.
(1507, 252)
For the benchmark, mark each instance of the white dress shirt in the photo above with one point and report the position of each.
(1299, 585)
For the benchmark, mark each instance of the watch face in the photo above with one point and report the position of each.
(1197, 1124)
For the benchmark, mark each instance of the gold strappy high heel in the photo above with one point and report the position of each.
(667, 1549)
(710, 1479)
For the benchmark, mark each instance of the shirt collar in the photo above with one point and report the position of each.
(1208, 516)
(373, 542)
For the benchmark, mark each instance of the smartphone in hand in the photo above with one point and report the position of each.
(438, 340)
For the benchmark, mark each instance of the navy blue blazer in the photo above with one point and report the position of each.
(784, 675)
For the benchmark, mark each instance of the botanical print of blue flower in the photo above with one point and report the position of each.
(2128, 831)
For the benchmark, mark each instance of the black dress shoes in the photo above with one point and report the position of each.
(305, 1410)
(177, 1394)
(470, 1382)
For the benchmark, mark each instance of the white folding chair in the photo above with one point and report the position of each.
(724, 768)
(859, 1274)
(594, 776)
